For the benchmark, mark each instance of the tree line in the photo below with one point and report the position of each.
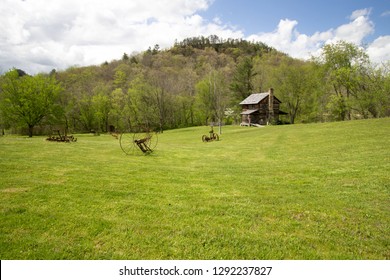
(196, 82)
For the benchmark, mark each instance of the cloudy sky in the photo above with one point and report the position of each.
(39, 35)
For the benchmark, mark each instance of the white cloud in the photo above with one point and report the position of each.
(379, 50)
(356, 30)
(385, 13)
(38, 35)
(360, 13)
(289, 40)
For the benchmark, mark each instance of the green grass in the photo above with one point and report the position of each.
(318, 191)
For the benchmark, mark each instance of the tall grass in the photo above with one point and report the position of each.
(318, 191)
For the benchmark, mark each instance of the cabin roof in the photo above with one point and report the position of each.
(249, 112)
(255, 98)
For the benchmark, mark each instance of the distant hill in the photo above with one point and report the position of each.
(202, 80)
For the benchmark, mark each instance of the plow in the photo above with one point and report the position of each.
(61, 138)
(211, 137)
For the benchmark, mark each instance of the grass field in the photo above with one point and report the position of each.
(317, 191)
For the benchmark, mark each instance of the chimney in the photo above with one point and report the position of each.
(270, 105)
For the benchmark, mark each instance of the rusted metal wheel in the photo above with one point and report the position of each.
(138, 142)
(126, 143)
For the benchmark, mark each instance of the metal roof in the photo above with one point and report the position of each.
(254, 98)
(249, 112)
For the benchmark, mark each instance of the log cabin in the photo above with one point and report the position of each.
(261, 109)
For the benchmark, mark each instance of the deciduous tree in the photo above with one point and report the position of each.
(346, 69)
(27, 100)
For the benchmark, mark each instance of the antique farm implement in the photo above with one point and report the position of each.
(131, 143)
(212, 136)
(61, 138)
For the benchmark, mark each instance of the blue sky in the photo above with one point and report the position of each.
(254, 16)
(301, 28)
(40, 35)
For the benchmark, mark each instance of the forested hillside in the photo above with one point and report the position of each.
(197, 81)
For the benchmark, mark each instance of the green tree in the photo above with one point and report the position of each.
(384, 90)
(141, 106)
(27, 100)
(102, 104)
(242, 85)
(346, 70)
(296, 86)
(212, 97)
(119, 110)
(120, 79)
(186, 98)
(375, 99)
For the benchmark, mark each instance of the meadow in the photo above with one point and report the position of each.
(314, 191)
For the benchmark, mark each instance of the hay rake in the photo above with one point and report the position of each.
(136, 142)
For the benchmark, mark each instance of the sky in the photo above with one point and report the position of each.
(40, 35)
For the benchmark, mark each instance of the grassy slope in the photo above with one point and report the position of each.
(318, 191)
